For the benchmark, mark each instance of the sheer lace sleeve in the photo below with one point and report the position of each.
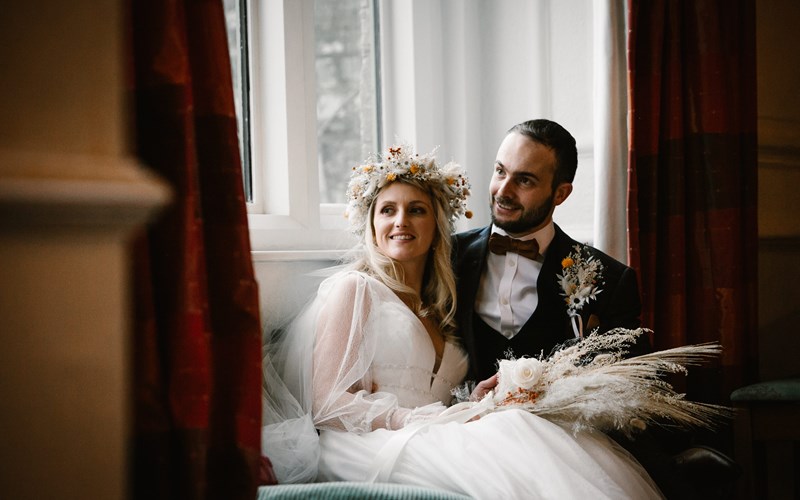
(347, 334)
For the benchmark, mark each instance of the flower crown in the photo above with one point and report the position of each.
(399, 162)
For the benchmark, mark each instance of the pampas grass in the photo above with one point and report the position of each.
(592, 385)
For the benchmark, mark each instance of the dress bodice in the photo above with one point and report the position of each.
(405, 358)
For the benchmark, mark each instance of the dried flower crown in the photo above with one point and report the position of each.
(401, 162)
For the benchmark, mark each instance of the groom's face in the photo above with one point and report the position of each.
(523, 198)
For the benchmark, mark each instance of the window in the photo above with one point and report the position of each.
(347, 88)
(347, 80)
(236, 21)
(452, 75)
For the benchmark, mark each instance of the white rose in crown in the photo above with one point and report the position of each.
(515, 374)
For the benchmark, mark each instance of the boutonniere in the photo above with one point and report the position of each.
(580, 278)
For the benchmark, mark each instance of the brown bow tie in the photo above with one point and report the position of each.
(500, 245)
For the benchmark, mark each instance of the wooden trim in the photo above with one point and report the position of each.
(62, 190)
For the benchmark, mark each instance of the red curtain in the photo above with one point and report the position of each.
(197, 342)
(692, 180)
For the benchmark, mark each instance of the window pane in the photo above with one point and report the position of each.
(347, 88)
(236, 21)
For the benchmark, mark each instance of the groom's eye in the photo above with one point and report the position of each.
(525, 180)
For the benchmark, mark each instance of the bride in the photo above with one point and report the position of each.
(356, 389)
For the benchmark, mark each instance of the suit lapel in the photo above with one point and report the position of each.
(550, 309)
(472, 264)
(469, 267)
(559, 248)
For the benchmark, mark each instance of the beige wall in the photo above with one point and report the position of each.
(69, 198)
(779, 179)
(62, 76)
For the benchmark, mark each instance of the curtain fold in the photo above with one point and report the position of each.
(197, 340)
(610, 128)
(693, 180)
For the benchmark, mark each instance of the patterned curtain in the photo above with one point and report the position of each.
(197, 353)
(693, 180)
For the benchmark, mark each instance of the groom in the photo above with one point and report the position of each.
(510, 297)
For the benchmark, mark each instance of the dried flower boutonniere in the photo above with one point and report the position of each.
(580, 280)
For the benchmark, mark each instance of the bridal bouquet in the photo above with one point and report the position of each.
(580, 388)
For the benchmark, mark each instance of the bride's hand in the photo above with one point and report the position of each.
(483, 388)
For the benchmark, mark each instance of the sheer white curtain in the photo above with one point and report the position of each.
(610, 128)
(459, 73)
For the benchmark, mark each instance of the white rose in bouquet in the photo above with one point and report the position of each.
(516, 374)
(527, 372)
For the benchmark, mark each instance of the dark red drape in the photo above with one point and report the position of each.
(197, 342)
(692, 180)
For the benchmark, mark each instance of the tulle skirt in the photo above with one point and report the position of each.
(507, 454)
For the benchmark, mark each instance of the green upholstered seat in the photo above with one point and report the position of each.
(353, 491)
(766, 437)
(775, 390)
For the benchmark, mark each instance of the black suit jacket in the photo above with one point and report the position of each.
(617, 305)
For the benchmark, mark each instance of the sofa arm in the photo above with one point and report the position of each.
(353, 490)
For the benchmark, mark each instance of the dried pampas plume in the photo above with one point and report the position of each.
(591, 385)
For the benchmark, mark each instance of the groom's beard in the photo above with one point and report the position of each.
(528, 219)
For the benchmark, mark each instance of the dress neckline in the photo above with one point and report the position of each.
(436, 367)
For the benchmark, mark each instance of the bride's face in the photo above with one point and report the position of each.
(404, 222)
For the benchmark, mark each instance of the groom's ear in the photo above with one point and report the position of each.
(562, 192)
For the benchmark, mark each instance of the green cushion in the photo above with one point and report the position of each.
(774, 390)
(352, 490)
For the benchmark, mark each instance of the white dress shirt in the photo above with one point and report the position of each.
(507, 294)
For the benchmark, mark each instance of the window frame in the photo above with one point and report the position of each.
(285, 213)
(424, 59)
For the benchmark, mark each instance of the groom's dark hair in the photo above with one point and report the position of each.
(554, 136)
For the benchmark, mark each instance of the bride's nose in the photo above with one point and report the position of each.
(400, 219)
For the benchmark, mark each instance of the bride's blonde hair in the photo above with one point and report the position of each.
(438, 296)
(448, 188)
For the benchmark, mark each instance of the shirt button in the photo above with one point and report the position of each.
(511, 263)
(504, 301)
(508, 333)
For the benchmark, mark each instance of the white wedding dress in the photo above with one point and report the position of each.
(365, 380)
